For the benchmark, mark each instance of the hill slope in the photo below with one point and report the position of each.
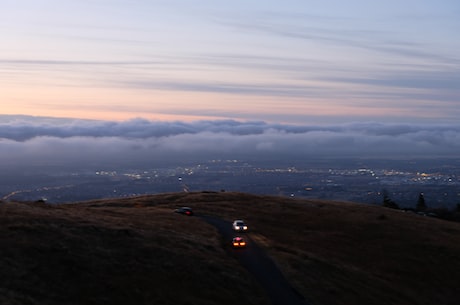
(136, 251)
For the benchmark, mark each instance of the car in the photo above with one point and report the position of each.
(238, 242)
(239, 225)
(184, 210)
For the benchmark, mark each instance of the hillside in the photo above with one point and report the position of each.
(137, 251)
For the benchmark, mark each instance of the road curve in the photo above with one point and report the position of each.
(260, 265)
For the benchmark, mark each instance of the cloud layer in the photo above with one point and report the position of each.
(32, 141)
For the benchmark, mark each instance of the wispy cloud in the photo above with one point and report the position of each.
(41, 62)
(414, 79)
(265, 89)
(340, 32)
(318, 59)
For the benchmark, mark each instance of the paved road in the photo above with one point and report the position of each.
(257, 262)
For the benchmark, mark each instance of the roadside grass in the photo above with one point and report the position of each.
(136, 250)
(99, 254)
(348, 253)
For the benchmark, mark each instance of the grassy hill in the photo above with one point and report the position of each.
(137, 251)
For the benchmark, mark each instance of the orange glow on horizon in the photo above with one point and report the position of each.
(123, 104)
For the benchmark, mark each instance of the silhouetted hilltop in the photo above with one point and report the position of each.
(137, 251)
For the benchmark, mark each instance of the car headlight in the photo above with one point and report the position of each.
(245, 228)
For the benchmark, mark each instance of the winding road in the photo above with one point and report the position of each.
(260, 265)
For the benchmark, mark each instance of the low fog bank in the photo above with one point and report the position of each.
(35, 141)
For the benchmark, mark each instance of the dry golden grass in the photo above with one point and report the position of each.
(137, 251)
(115, 252)
(347, 253)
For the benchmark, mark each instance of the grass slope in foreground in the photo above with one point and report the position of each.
(137, 251)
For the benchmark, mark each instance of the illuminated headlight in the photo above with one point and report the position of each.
(245, 228)
(237, 227)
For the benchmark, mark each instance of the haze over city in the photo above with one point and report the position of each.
(29, 141)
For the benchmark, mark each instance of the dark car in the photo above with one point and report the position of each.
(238, 242)
(184, 210)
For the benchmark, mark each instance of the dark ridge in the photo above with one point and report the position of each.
(138, 251)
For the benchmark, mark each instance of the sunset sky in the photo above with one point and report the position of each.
(287, 62)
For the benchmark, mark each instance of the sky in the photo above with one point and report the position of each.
(150, 79)
(293, 61)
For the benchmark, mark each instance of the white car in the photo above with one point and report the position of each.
(239, 225)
